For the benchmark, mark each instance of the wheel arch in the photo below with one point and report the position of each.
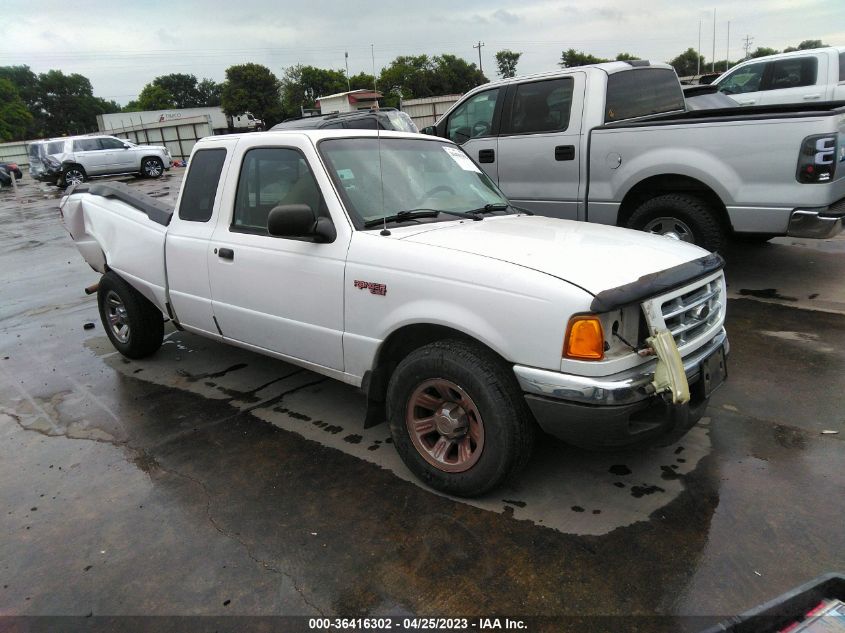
(670, 183)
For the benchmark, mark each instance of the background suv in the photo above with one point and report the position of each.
(383, 118)
(69, 161)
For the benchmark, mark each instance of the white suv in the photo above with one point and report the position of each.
(69, 161)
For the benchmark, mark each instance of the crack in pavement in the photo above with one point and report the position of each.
(139, 454)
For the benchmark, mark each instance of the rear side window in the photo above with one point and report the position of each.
(201, 185)
(633, 93)
(56, 147)
(792, 73)
(364, 123)
(86, 145)
(541, 106)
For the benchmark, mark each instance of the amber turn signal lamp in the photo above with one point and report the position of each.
(584, 339)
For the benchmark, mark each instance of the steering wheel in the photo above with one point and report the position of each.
(480, 128)
(439, 189)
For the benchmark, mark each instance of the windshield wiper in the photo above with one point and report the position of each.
(413, 214)
(499, 206)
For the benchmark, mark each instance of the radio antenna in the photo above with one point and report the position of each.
(384, 230)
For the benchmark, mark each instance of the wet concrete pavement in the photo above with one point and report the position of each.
(208, 480)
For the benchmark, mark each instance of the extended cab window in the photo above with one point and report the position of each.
(111, 143)
(541, 106)
(641, 92)
(201, 183)
(86, 145)
(792, 73)
(270, 177)
(474, 118)
(746, 79)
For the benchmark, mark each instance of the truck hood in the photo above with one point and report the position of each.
(594, 257)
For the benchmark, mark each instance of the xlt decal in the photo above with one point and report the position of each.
(374, 288)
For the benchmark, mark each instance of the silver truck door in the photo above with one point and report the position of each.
(795, 80)
(539, 145)
(472, 125)
(89, 153)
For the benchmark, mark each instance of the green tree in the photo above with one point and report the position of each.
(763, 51)
(361, 81)
(182, 88)
(26, 83)
(571, 58)
(208, 92)
(154, 97)
(407, 76)
(302, 85)
(15, 118)
(506, 61)
(687, 63)
(454, 75)
(805, 45)
(252, 88)
(68, 103)
(626, 57)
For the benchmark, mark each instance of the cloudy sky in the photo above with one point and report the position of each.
(122, 45)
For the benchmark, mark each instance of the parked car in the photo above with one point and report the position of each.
(816, 74)
(391, 262)
(12, 168)
(382, 118)
(613, 143)
(74, 159)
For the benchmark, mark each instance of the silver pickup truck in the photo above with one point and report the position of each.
(614, 144)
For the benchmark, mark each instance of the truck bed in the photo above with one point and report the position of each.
(118, 228)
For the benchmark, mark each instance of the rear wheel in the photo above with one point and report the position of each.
(133, 324)
(458, 418)
(682, 217)
(152, 167)
(73, 175)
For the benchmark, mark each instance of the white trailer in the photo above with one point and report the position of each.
(219, 121)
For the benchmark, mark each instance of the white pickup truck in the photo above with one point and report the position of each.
(394, 264)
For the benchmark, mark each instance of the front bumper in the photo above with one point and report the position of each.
(819, 223)
(613, 410)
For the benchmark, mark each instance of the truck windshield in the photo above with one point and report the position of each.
(416, 174)
(642, 92)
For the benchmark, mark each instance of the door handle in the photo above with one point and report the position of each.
(811, 97)
(746, 101)
(225, 253)
(565, 152)
(486, 156)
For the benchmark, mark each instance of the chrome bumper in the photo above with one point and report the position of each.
(814, 223)
(626, 387)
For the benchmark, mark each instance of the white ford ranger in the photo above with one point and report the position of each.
(393, 263)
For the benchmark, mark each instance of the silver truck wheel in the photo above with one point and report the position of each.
(670, 227)
(133, 324)
(152, 167)
(117, 318)
(73, 176)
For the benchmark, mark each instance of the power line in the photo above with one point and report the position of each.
(480, 44)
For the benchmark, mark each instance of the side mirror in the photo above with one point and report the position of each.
(298, 220)
(127, 146)
(431, 130)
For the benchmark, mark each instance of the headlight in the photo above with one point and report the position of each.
(817, 160)
(584, 338)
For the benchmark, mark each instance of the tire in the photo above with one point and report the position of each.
(686, 217)
(121, 305)
(73, 175)
(490, 429)
(152, 167)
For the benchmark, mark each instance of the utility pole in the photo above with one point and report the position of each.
(346, 56)
(698, 50)
(478, 46)
(713, 61)
(747, 45)
(728, 48)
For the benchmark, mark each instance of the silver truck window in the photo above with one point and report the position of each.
(642, 92)
(541, 106)
(86, 145)
(273, 176)
(745, 79)
(473, 118)
(111, 143)
(793, 72)
(201, 185)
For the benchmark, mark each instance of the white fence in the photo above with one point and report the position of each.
(14, 153)
(428, 110)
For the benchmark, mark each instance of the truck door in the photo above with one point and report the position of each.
(539, 145)
(794, 80)
(282, 295)
(117, 157)
(189, 240)
(473, 125)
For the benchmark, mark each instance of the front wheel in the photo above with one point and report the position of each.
(152, 167)
(133, 324)
(73, 175)
(682, 217)
(458, 418)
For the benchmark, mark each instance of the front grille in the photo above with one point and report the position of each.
(692, 313)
